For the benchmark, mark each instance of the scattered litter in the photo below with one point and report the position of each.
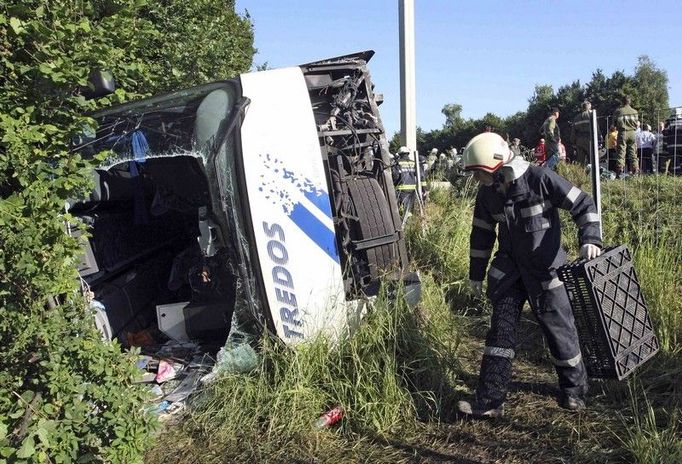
(143, 361)
(162, 407)
(141, 338)
(186, 387)
(178, 350)
(166, 372)
(157, 391)
(147, 377)
(241, 358)
(329, 418)
(172, 410)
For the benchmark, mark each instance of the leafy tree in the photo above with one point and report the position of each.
(453, 116)
(539, 104)
(515, 125)
(64, 394)
(605, 94)
(569, 99)
(651, 84)
(198, 41)
(647, 87)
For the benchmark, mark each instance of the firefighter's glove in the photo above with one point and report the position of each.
(476, 287)
(589, 251)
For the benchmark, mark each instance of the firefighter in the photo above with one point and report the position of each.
(581, 134)
(626, 119)
(405, 179)
(521, 201)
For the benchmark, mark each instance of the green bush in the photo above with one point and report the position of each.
(65, 395)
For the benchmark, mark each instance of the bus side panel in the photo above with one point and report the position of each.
(290, 207)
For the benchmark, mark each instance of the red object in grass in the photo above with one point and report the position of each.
(331, 417)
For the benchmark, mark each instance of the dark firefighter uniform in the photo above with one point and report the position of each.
(405, 180)
(581, 135)
(625, 118)
(524, 268)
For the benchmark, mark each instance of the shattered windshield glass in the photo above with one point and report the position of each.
(155, 140)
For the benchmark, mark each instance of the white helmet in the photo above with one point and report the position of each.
(403, 149)
(487, 151)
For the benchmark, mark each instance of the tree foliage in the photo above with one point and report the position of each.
(65, 395)
(652, 90)
(648, 87)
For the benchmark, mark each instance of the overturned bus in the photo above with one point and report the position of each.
(260, 202)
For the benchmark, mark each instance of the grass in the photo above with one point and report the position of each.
(398, 377)
(650, 439)
(386, 377)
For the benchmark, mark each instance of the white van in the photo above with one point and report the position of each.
(263, 202)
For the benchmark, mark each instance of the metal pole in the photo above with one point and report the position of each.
(595, 171)
(408, 121)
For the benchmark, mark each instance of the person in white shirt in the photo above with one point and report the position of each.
(645, 145)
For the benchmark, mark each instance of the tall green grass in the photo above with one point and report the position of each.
(653, 435)
(386, 376)
(643, 213)
(438, 241)
(399, 367)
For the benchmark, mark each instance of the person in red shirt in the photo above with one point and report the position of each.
(540, 152)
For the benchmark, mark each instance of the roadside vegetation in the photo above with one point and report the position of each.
(67, 397)
(398, 377)
(64, 395)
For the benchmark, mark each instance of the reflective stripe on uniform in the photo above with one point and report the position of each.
(532, 210)
(587, 217)
(572, 196)
(550, 284)
(574, 361)
(473, 253)
(495, 273)
(483, 224)
(499, 217)
(406, 187)
(499, 352)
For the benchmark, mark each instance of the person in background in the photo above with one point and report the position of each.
(517, 205)
(516, 146)
(660, 150)
(562, 152)
(581, 134)
(550, 131)
(405, 179)
(627, 122)
(612, 148)
(431, 162)
(646, 149)
(540, 152)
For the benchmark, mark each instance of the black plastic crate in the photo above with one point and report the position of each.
(616, 334)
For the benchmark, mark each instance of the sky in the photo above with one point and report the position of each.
(485, 55)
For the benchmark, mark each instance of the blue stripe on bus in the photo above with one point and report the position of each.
(315, 230)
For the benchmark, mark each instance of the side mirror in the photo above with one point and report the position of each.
(100, 83)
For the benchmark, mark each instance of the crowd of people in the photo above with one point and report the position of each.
(629, 148)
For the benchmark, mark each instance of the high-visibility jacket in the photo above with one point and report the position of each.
(526, 219)
(405, 175)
